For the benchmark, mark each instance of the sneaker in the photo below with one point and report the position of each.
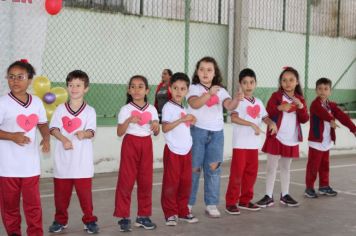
(310, 193)
(266, 201)
(172, 221)
(56, 227)
(249, 206)
(145, 222)
(328, 191)
(288, 201)
(91, 228)
(212, 211)
(232, 210)
(190, 218)
(125, 225)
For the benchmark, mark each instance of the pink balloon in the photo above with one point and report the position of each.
(53, 7)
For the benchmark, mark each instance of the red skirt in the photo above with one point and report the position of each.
(274, 147)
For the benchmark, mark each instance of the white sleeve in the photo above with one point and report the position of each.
(263, 110)
(193, 91)
(154, 113)
(166, 115)
(42, 113)
(123, 115)
(56, 121)
(2, 113)
(223, 95)
(91, 122)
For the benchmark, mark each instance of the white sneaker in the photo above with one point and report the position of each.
(189, 218)
(212, 211)
(172, 220)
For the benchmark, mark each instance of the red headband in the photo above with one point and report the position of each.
(24, 61)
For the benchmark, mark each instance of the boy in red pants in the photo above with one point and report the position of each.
(323, 114)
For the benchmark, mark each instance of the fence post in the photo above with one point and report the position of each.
(284, 15)
(186, 35)
(338, 18)
(141, 7)
(219, 12)
(307, 36)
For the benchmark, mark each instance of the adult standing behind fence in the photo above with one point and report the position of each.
(162, 94)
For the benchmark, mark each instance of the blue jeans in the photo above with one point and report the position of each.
(208, 148)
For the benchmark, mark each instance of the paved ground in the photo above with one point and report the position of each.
(322, 216)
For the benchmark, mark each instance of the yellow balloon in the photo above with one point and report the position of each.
(41, 85)
(61, 95)
(50, 108)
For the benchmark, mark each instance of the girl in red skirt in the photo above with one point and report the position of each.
(287, 108)
(137, 120)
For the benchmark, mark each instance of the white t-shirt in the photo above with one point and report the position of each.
(287, 133)
(147, 113)
(77, 162)
(327, 143)
(178, 139)
(251, 110)
(16, 116)
(210, 115)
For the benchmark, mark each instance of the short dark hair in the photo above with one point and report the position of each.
(325, 81)
(78, 74)
(247, 72)
(23, 64)
(179, 76)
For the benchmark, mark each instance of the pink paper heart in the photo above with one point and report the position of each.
(292, 108)
(187, 123)
(214, 99)
(27, 122)
(71, 124)
(253, 111)
(145, 117)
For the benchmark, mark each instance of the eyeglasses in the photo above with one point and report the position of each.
(16, 77)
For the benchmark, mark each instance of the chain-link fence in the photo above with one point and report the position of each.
(114, 39)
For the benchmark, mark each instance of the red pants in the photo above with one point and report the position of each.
(62, 194)
(176, 184)
(243, 174)
(11, 190)
(136, 164)
(318, 162)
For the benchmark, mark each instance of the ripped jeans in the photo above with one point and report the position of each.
(207, 152)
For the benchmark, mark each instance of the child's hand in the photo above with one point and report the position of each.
(257, 129)
(333, 124)
(297, 102)
(46, 146)
(67, 144)
(155, 127)
(80, 134)
(134, 119)
(214, 89)
(284, 107)
(273, 128)
(239, 95)
(20, 138)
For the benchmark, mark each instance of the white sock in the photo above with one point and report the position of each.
(284, 165)
(272, 165)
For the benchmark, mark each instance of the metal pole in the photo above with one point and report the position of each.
(338, 18)
(343, 74)
(186, 36)
(306, 76)
(219, 12)
(284, 16)
(141, 7)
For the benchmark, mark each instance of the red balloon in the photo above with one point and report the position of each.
(53, 7)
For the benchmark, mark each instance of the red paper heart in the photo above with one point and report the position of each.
(71, 124)
(253, 111)
(145, 117)
(292, 108)
(187, 123)
(27, 122)
(214, 99)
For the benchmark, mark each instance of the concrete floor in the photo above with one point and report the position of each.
(322, 216)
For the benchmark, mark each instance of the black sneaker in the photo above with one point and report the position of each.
(145, 222)
(328, 191)
(288, 201)
(310, 193)
(249, 206)
(266, 201)
(56, 227)
(190, 218)
(232, 210)
(125, 225)
(91, 228)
